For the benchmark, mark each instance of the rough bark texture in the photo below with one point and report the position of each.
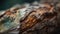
(40, 18)
(41, 21)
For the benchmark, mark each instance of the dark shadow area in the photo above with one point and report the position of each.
(5, 4)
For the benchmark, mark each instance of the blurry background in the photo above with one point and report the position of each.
(5, 4)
